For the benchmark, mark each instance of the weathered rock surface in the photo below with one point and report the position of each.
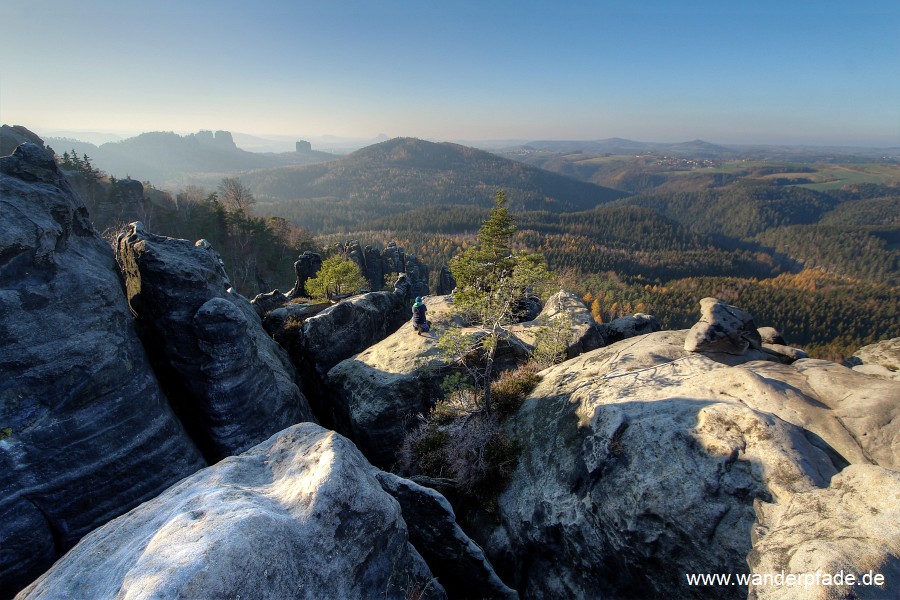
(12, 136)
(306, 267)
(770, 335)
(457, 562)
(301, 515)
(628, 327)
(642, 463)
(376, 265)
(881, 359)
(446, 282)
(354, 324)
(376, 392)
(583, 335)
(850, 527)
(722, 328)
(86, 433)
(231, 384)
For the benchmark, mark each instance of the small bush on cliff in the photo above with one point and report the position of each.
(461, 441)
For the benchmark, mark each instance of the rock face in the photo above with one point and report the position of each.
(298, 516)
(86, 433)
(457, 562)
(722, 328)
(307, 266)
(446, 282)
(880, 360)
(13, 136)
(643, 462)
(354, 324)
(628, 327)
(376, 392)
(583, 334)
(851, 526)
(231, 384)
(376, 265)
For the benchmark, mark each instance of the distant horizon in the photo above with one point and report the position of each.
(802, 73)
(290, 139)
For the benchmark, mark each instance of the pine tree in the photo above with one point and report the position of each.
(491, 282)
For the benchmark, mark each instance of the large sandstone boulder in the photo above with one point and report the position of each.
(566, 309)
(86, 433)
(722, 328)
(642, 462)
(301, 515)
(849, 528)
(231, 384)
(376, 393)
(881, 359)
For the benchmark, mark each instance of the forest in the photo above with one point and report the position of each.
(819, 265)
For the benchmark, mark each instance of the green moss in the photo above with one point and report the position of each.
(5, 433)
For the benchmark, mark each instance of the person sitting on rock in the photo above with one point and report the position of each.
(420, 323)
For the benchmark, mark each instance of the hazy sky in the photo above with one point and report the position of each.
(764, 71)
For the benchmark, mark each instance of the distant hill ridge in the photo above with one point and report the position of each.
(166, 158)
(403, 173)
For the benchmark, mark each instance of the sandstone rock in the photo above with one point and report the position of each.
(376, 392)
(353, 325)
(86, 433)
(784, 353)
(266, 302)
(446, 282)
(880, 360)
(298, 516)
(457, 562)
(641, 462)
(628, 327)
(583, 334)
(11, 137)
(722, 328)
(770, 335)
(853, 527)
(307, 266)
(231, 384)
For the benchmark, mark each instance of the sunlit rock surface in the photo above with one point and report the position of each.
(301, 515)
(643, 462)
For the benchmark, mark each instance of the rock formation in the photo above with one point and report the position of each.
(301, 515)
(457, 562)
(231, 384)
(722, 328)
(446, 282)
(11, 137)
(850, 527)
(376, 265)
(643, 462)
(86, 433)
(306, 267)
(377, 392)
(881, 359)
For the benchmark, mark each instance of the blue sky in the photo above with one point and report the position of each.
(728, 72)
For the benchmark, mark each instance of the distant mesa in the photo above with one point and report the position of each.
(219, 139)
(304, 146)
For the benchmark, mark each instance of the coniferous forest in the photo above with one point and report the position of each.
(817, 262)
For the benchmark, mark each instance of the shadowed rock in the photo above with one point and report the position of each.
(231, 384)
(457, 562)
(86, 433)
(301, 515)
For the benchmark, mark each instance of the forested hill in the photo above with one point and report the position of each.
(403, 173)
